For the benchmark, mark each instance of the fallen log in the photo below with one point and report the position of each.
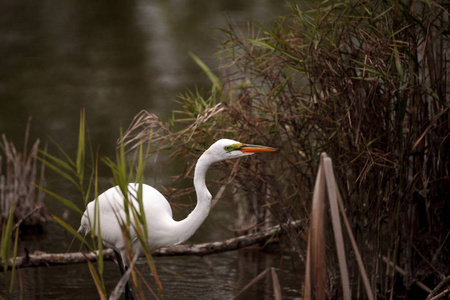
(54, 259)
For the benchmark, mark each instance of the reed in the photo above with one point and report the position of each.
(20, 203)
(6, 255)
(125, 171)
(74, 171)
(17, 178)
(83, 174)
(365, 82)
(315, 271)
(275, 284)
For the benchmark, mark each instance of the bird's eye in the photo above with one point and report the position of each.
(228, 148)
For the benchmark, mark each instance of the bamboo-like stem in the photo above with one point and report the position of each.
(337, 229)
(315, 269)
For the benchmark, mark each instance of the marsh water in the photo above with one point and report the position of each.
(115, 58)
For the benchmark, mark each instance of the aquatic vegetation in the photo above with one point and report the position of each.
(20, 203)
(19, 171)
(365, 82)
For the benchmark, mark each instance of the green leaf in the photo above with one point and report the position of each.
(72, 231)
(62, 173)
(217, 85)
(99, 284)
(81, 147)
(66, 202)
(13, 267)
(6, 239)
(63, 153)
(57, 161)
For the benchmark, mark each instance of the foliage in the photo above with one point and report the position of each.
(364, 81)
(72, 170)
(5, 247)
(124, 170)
(20, 203)
(17, 177)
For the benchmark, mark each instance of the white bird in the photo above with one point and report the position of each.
(163, 230)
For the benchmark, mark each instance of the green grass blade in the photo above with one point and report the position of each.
(61, 173)
(66, 202)
(81, 147)
(98, 283)
(97, 229)
(217, 85)
(63, 153)
(72, 231)
(13, 266)
(57, 161)
(6, 239)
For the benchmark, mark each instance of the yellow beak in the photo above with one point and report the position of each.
(247, 148)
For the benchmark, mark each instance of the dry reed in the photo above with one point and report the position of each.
(17, 188)
(365, 82)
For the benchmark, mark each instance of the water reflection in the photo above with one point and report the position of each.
(115, 58)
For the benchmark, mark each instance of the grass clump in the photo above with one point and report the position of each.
(19, 171)
(21, 205)
(82, 172)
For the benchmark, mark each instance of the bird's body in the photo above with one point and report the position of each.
(110, 205)
(163, 230)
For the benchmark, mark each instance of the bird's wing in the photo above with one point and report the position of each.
(110, 207)
(154, 203)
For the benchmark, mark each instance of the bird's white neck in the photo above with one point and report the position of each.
(187, 227)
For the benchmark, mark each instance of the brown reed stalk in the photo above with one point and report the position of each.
(17, 188)
(315, 269)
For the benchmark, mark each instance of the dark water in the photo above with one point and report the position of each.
(213, 277)
(115, 58)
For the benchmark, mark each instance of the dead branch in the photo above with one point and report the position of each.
(403, 273)
(55, 259)
(444, 282)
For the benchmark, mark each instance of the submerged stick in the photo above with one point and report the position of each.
(254, 280)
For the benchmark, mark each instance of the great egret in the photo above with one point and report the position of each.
(163, 230)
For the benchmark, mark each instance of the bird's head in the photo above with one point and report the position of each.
(227, 149)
